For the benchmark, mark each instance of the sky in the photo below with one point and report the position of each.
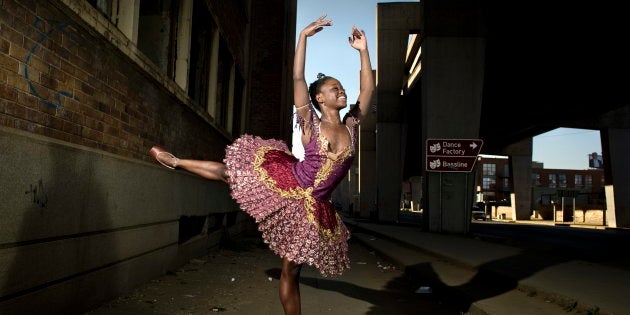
(328, 52)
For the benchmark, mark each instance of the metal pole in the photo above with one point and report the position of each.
(574, 210)
(467, 216)
(440, 227)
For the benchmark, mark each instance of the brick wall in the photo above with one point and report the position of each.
(60, 79)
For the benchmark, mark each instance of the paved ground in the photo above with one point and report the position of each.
(243, 279)
(525, 270)
(480, 276)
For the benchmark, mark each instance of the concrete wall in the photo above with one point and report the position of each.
(80, 220)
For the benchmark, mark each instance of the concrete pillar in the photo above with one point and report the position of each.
(451, 102)
(389, 172)
(617, 175)
(416, 192)
(520, 155)
(394, 20)
(367, 167)
(610, 218)
(448, 201)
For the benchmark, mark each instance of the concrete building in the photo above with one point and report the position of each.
(86, 88)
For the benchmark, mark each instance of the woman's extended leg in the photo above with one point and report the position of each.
(290, 287)
(206, 169)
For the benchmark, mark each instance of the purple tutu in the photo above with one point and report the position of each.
(295, 222)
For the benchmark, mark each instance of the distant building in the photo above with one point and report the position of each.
(494, 183)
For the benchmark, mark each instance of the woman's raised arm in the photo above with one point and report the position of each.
(366, 89)
(300, 88)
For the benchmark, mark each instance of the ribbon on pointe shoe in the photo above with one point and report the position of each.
(161, 155)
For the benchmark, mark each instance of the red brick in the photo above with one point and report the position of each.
(67, 114)
(47, 81)
(18, 11)
(92, 134)
(55, 123)
(111, 131)
(68, 68)
(112, 121)
(117, 107)
(93, 113)
(110, 140)
(94, 124)
(52, 59)
(71, 128)
(8, 93)
(6, 121)
(28, 100)
(9, 63)
(38, 64)
(12, 36)
(4, 46)
(35, 116)
(34, 128)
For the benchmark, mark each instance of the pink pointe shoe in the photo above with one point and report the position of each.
(163, 157)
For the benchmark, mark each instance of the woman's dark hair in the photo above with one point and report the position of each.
(315, 88)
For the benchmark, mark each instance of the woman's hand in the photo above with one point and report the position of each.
(316, 26)
(358, 40)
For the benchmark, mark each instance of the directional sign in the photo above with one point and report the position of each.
(450, 163)
(452, 155)
(453, 147)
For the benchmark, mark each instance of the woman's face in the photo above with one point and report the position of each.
(332, 94)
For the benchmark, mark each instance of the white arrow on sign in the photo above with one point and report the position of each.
(473, 145)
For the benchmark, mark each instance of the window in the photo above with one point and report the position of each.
(225, 81)
(562, 180)
(536, 180)
(157, 32)
(205, 66)
(506, 184)
(202, 46)
(103, 6)
(215, 82)
(489, 169)
(234, 123)
(489, 183)
(588, 179)
(579, 181)
(489, 176)
(553, 183)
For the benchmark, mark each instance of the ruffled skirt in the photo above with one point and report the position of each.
(293, 223)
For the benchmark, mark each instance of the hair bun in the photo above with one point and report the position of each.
(320, 75)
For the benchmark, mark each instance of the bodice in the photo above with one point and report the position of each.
(323, 170)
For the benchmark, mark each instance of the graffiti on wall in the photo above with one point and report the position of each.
(56, 100)
(39, 195)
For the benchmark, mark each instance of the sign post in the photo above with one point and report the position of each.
(452, 155)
